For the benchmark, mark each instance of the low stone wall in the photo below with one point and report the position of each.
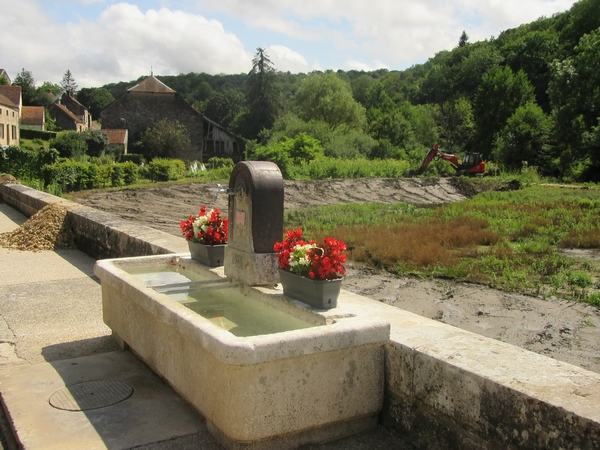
(445, 387)
(99, 234)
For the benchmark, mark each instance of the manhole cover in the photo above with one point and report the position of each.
(91, 395)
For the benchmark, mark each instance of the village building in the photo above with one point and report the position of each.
(117, 140)
(33, 118)
(69, 114)
(150, 101)
(11, 103)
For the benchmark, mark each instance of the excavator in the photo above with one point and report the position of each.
(472, 163)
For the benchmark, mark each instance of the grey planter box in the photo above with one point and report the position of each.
(209, 255)
(321, 294)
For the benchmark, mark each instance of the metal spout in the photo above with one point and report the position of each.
(222, 190)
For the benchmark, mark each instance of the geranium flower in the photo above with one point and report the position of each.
(318, 262)
(207, 228)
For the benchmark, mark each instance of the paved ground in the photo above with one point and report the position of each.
(52, 335)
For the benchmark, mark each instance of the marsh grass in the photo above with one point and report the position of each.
(507, 240)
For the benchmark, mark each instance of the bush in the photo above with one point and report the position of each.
(161, 169)
(37, 134)
(216, 163)
(71, 175)
(134, 158)
(69, 144)
(130, 172)
(25, 164)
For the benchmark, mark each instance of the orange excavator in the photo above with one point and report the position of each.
(472, 164)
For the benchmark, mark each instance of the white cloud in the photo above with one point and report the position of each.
(284, 59)
(399, 32)
(123, 44)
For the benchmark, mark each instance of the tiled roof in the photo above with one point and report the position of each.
(64, 110)
(115, 136)
(13, 93)
(32, 115)
(4, 100)
(151, 84)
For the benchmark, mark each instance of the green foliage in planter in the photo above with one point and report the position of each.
(25, 164)
(162, 169)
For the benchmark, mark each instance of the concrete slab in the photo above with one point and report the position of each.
(10, 218)
(153, 414)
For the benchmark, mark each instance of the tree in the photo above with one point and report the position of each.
(326, 97)
(96, 142)
(455, 122)
(95, 99)
(463, 41)
(70, 144)
(68, 84)
(525, 138)
(575, 100)
(262, 95)
(165, 139)
(27, 83)
(500, 94)
(224, 106)
(47, 93)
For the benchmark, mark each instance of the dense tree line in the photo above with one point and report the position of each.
(528, 97)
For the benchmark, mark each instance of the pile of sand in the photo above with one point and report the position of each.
(47, 229)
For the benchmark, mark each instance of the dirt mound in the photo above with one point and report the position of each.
(45, 230)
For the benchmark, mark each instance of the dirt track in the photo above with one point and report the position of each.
(567, 331)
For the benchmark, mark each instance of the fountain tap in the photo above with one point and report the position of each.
(222, 190)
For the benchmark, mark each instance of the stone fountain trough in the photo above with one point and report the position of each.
(292, 379)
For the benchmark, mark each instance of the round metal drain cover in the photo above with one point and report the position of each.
(91, 395)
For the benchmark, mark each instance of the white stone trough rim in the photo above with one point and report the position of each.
(327, 335)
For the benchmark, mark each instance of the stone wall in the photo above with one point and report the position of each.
(141, 110)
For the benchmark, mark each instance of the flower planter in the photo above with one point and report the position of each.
(321, 294)
(209, 255)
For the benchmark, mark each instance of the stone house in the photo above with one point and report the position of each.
(33, 118)
(150, 101)
(10, 114)
(69, 114)
(117, 140)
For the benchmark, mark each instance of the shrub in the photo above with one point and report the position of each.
(161, 169)
(216, 163)
(69, 144)
(25, 164)
(130, 172)
(71, 175)
(134, 158)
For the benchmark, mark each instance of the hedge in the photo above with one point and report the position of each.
(25, 164)
(162, 169)
(26, 133)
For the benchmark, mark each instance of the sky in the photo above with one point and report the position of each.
(107, 41)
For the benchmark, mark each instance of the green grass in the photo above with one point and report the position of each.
(506, 240)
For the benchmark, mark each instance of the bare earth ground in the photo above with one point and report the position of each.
(564, 330)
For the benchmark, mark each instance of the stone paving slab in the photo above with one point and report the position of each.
(153, 413)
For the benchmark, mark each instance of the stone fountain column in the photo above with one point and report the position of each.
(255, 223)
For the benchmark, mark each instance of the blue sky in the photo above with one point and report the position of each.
(105, 41)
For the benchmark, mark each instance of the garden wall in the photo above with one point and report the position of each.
(445, 387)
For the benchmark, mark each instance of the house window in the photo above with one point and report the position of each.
(13, 134)
(1, 131)
(0, 110)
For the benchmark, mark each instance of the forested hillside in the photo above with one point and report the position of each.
(528, 97)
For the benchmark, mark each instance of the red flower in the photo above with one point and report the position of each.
(206, 228)
(325, 261)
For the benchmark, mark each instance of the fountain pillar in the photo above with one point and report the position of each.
(255, 223)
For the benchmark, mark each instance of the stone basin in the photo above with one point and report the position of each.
(307, 380)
